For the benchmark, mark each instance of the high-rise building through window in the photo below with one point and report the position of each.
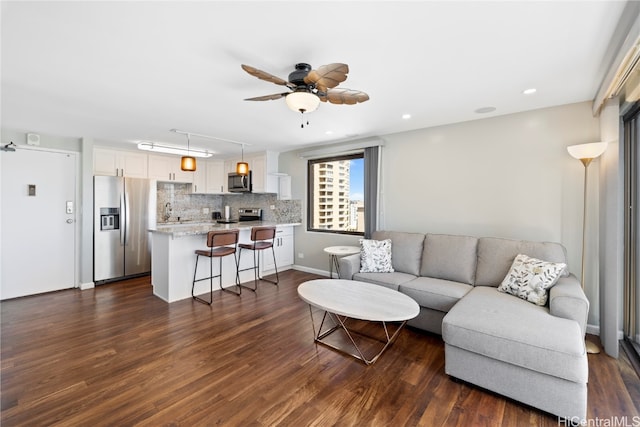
(334, 204)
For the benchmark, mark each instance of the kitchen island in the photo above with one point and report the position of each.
(173, 257)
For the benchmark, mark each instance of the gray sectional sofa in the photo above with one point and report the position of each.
(530, 353)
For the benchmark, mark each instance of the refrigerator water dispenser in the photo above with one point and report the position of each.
(109, 219)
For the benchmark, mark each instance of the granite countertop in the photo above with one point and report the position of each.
(195, 228)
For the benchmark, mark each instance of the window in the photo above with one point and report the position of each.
(336, 205)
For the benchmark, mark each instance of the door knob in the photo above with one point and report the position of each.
(69, 221)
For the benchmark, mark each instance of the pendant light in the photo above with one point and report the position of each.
(188, 162)
(242, 168)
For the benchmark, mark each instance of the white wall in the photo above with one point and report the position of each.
(611, 229)
(507, 176)
(84, 146)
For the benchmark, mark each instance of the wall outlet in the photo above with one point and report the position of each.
(205, 210)
(272, 207)
(300, 255)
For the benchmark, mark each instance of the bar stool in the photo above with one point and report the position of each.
(260, 237)
(218, 243)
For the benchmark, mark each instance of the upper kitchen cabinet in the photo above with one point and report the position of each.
(284, 187)
(167, 168)
(209, 177)
(216, 177)
(111, 162)
(263, 167)
(199, 183)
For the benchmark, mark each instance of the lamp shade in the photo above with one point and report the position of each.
(304, 102)
(587, 151)
(188, 163)
(242, 168)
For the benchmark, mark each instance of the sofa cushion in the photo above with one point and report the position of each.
(495, 256)
(406, 250)
(436, 294)
(449, 257)
(530, 278)
(389, 280)
(499, 326)
(375, 256)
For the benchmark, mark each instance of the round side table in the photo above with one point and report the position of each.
(338, 251)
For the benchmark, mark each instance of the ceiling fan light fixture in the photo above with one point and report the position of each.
(303, 102)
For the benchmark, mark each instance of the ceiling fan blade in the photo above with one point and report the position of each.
(327, 76)
(263, 75)
(268, 97)
(344, 96)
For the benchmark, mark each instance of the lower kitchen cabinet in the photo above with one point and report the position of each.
(284, 250)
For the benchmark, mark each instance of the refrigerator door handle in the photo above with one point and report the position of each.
(123, 213)
(127, 217)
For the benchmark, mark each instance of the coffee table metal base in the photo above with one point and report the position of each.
(340, 324)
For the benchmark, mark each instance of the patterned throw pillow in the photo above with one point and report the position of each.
(375, 256)
(530, 278)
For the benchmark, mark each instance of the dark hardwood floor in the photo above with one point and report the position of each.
(117, 355)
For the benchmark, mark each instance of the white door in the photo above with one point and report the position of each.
(37, 222)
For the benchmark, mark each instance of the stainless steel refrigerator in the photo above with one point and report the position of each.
(123, 209)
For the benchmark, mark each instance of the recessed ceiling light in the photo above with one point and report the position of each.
(529, 91)
(329, 132)
(485, 110)
(406, 116)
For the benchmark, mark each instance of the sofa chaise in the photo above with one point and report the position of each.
(532, 353)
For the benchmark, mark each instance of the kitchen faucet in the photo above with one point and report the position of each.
(167, 211)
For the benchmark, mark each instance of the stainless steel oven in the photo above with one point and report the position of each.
(249, 214)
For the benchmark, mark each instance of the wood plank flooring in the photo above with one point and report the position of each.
(117, 355)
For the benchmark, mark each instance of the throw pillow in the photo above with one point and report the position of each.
(530, 278)
(375, 256)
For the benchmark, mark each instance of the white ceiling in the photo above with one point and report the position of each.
(127, 71)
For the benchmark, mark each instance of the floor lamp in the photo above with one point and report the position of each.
(586, 153)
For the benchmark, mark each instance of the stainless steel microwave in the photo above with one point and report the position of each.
(239, 183)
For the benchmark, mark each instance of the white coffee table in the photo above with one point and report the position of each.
(349, 299)
(338, 251)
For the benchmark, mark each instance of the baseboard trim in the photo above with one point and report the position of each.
(85, 286)
(595, 330)
(311, 270)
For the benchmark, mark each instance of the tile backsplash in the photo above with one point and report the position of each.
(176, 200)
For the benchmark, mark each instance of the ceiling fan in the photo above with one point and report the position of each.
(308, 87)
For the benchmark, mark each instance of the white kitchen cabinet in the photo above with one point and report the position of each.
(284, 187)
(208, 177)
(258, 170)
(263, 167)
(112, 162)
(199, 183)
(216, 177)
(167, 168)
(283, 248)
